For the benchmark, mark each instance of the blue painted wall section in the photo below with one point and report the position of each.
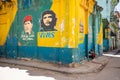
(47, 54)
(90, 34)
(105, 44)
(2, 51)
(11, 47)
(82, 49)
(63, 55)
(27, 52)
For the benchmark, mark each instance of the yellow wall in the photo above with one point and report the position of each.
(70, 14)
(7, 15)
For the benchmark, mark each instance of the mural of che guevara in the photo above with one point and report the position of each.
(48, 21)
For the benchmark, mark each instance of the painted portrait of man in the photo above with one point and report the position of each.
(27, 36)
(48, 21)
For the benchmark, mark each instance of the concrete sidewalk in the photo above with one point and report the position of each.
(86, 67)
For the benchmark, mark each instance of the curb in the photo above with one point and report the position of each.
(88, 67)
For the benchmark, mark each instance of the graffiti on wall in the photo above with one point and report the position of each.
(48, 32)
(48, 21)
(81, 27)
(27, 36)
(81, 31)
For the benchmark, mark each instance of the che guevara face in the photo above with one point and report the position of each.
(47, 19)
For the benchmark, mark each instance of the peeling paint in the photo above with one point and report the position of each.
(62, 26)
